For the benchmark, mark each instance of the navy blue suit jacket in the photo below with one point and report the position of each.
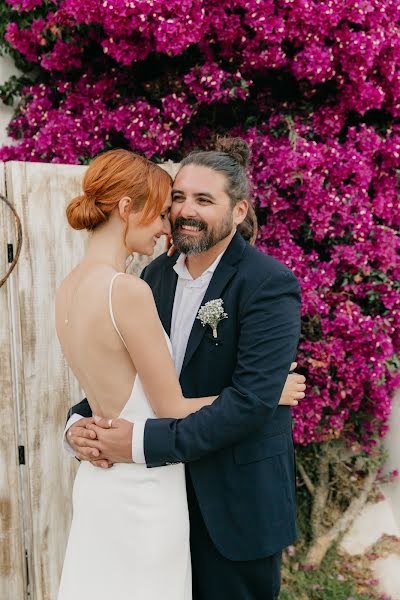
(239, 450)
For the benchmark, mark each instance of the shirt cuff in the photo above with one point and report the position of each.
(73, 419)
(138, 442)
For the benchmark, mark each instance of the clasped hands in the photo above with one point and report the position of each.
(104, 442)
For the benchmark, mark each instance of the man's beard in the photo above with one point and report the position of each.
(206, 237)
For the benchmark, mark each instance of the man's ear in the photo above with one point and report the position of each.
(240, 211)
(125, 207)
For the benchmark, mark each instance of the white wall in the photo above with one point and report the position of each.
(392, 444)
(7, 68)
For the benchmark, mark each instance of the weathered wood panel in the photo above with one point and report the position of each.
(12, 556)
(51, 248)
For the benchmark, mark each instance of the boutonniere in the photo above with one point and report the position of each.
(211, 314)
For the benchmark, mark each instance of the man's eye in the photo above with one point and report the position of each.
(177, 199)
(204, 200)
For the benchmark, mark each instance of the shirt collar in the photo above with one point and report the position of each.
(183, 273)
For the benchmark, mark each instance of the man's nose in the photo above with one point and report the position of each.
(188, 210)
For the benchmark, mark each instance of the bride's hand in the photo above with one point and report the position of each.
(294, 388)
(114, 439)
(172, 250)
(170, 247)
(84, 443)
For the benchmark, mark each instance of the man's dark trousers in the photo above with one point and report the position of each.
(218, 578)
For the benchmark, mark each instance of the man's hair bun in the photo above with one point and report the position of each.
(236, 147)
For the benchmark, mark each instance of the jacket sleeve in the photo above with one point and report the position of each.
(82, 409)
(268, 339)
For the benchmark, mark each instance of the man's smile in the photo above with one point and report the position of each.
(189, 228)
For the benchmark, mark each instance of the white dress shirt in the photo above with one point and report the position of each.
(189, 294)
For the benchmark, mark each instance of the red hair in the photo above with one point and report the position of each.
(110, 177)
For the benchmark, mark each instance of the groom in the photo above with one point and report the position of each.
(239, 451)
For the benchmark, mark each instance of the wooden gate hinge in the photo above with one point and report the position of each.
(21, 455)
(10, 253)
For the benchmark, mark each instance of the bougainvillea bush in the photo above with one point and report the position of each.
(314, 87)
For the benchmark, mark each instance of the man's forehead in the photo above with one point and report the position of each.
(197, 179)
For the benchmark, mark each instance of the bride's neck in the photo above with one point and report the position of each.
(106, 246)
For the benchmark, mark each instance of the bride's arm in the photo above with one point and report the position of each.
(138, 321)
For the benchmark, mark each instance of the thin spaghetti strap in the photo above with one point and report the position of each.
(111, 310)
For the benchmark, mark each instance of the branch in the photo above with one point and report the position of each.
(354, 507)
(309, 484)
(322, 542)
(321, 494)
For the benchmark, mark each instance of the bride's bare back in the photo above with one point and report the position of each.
(106, 358)
(90, 344)
(125, 204)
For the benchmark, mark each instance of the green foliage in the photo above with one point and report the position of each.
(11, 89)
(331, 581)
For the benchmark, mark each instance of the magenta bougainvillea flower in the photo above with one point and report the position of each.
(314, 87)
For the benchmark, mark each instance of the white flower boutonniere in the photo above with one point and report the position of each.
(211, 314)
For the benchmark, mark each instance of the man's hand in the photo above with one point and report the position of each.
(84, 444)
(114, 439)
(294, 388)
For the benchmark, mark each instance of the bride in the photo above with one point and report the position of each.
(129, 536)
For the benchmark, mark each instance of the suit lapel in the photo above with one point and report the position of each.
(217, 284)
(165, 298)
(224, 272)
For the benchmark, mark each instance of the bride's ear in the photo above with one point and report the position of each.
(125, 207)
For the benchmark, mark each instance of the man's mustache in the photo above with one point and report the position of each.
(179, 221)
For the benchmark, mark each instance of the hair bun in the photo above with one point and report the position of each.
(236, 147)
(83, 213)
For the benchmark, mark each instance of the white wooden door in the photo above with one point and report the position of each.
(12, 547)
(37, 386)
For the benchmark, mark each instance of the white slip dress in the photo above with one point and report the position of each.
(129, 537)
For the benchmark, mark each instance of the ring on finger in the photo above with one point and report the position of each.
(110, 423)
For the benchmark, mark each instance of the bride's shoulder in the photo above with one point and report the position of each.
(128, 288)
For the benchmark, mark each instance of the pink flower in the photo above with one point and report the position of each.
(314, 87)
